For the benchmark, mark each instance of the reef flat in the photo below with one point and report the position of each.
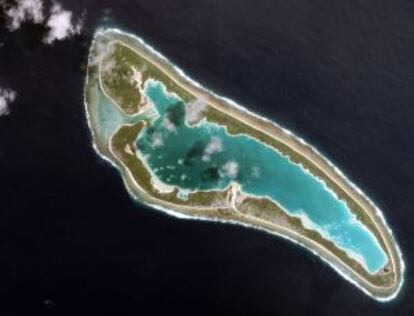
(182, 149)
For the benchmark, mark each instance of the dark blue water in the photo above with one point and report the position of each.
(340, 74)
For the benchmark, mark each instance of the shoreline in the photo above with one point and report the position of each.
(297, 144)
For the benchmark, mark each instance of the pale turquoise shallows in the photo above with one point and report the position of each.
(108, 116)
(206, 157)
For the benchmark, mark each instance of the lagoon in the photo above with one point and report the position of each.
(206, 157)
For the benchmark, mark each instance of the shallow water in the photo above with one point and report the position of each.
(205, 157)
(107, 116)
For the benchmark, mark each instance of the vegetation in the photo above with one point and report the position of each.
(267, 210)
(118, 69)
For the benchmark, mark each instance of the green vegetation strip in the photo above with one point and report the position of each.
(267, 210)
(117, 74)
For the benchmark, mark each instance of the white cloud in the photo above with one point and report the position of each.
(156, 140)
(230, 169)
(214, 146)
(170, 126)
(59, 22)
(101, 52)
(24, 10)
(108, 67)
(194, 110)
(256, 172)
(61, 25)
(7, 96)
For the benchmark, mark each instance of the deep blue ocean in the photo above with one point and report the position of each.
(72, 242)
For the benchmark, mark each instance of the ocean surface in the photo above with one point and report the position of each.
(340, 74)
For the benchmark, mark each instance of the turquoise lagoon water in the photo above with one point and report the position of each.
(109, 116)
(206, 157)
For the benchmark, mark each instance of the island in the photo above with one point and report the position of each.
(183, 149)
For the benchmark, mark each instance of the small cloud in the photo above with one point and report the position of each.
(59, 22)
(194, 110)
(101, 52)
(25, 10)
(230, 169)
(214, 146)
(7, 96)
(156, 140)
(255, 172)
(108, 67)
(170, 126)
(61, 25)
